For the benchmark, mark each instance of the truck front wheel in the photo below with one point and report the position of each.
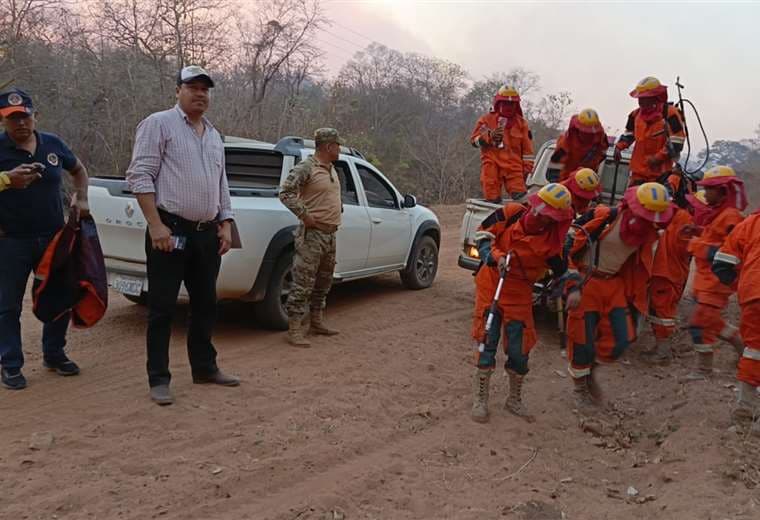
(423, 264)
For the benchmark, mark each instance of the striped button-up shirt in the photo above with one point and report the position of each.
(185, 170)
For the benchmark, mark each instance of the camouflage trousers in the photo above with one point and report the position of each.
(313, 268)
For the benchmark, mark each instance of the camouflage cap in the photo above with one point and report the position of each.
(326, 135)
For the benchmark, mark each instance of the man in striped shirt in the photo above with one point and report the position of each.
(178, 175)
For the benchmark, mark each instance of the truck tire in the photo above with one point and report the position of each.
(139, 300)
(270, 312)
(423, 264)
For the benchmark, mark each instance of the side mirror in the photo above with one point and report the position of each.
(410, 201)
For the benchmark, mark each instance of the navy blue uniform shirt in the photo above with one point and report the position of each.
(38, 209)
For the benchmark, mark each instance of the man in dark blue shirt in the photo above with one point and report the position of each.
(31, 212)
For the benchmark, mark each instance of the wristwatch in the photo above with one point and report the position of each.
(5, 181)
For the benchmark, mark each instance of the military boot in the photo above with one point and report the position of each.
(318, 325)
(594, 389)
(703, 369)
(662, 353)
(296, 333)
(747, 404)
(480, 384)
(514, 402)
(583, 399)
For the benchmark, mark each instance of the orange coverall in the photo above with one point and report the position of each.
(570, 154)
(670, 271)
(602, 327)
(741, 252)
(712, 296)
(652, 142)
(531, 256)
(507, 166)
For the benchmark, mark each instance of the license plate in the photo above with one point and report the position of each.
(127, 284)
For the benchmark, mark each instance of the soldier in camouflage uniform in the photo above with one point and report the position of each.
(312, 192)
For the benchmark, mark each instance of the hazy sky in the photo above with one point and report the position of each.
(595, 50)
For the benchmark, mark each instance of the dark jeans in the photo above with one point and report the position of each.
(18, 258)
(198, 266)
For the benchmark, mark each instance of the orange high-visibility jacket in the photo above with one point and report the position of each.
(635, 272)
(672, 259)
(570, 154)
(741, 249)
(517, 154)
(704, 247)
(652, 140)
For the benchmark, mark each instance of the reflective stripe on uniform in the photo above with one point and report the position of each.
(751, 353)
(677, 139)
(665, 322)
(701, 347)
(480, 235)
(577, 373)
(720, 256)
(528, 157)
(555, 165)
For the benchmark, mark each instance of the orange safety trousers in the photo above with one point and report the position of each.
(493, 178)
(601, 328)
(707, 324)
(748, 369)
(664, 296)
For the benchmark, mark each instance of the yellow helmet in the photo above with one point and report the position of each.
(588, 117)
(649, 87)
(556, 196)
(506, 93)
(719, 171)
(587, 179)
(653, 196)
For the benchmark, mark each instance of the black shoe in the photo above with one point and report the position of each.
(64, 367)
(13, 379)
(217, 378)
(161, 395)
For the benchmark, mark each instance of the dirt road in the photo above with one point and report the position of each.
(372, 425)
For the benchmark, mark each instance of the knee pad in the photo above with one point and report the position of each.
(619, 321)
(517, 360)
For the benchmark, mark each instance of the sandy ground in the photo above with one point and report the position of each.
(372, 425)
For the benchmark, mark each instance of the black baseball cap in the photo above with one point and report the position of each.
(15, 101)
(192, 73)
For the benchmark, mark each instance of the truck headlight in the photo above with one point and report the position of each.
(472, 252)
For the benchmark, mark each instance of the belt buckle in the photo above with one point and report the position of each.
(200, 226)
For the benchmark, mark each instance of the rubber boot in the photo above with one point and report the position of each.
(747, 404)
(583, 399)
(296, 333)
(318, 325)
(704, 368)
(480, 386)
(514, 402)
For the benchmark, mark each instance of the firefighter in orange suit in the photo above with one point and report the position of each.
(740, 256)
(658, 130)
(521, 253)
(618, 266)
(583, 145)
(670, 272)
(506, 147)
(584, 186)
(726, 199)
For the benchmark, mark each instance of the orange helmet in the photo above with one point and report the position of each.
(649, 87)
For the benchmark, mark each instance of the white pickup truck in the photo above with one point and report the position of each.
(382, 230)
(478, 209)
